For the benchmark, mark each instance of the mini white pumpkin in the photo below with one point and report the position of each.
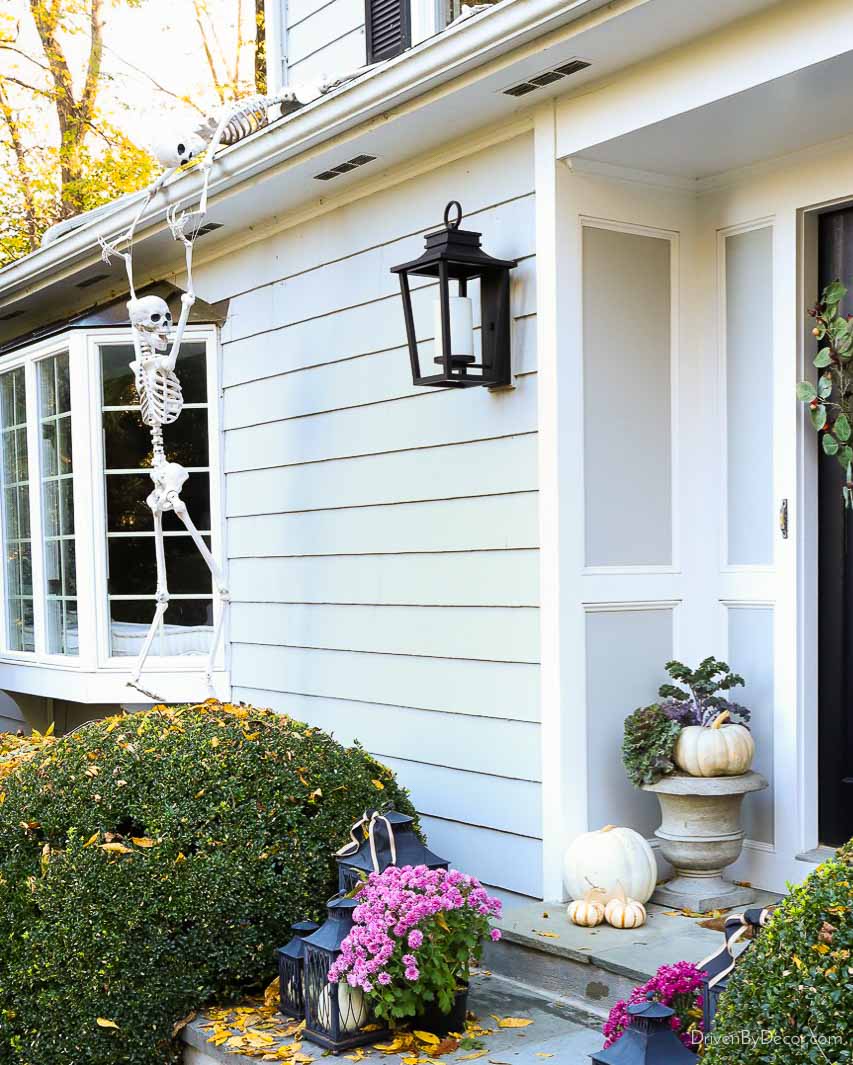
(625, 913)
(721, 749)
(611, 859)
(586, 912)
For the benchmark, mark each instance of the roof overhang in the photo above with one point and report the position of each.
(446, 88)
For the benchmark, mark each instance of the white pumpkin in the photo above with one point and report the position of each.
(625, 913)
(586, 912)
(720, 749)
(352, 1008)
(611, 860)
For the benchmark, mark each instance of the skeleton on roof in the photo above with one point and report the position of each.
(155, 359)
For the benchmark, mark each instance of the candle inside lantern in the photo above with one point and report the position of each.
(461, 326)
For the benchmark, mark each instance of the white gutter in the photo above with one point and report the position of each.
(467, 46)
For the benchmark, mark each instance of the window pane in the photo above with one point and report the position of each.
(116, 375)
(132, 575)
(16, 512)
(133, 567)
(127, 442)
(57, 480)
(119, 389)
(127, 510)
(186, 628)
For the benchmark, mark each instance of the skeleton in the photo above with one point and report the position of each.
(157, 383)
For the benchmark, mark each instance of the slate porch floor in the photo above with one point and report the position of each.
(560, 1034)
(566, 1014)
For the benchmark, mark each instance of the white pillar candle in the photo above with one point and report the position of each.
(461, 326)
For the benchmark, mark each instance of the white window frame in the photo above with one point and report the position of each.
(94, 675)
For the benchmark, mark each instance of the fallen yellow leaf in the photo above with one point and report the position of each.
(115, 848)
(103, 1022)
(546, 935)
(513, 1022)
(542, 1054)
(427, 1037)
(474, 1056)
(143, 841)
(91, 840)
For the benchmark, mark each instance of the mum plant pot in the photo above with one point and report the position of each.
(701, 835)
(433, 1020)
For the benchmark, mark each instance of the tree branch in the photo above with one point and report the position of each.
(21, 164)
(93, 69)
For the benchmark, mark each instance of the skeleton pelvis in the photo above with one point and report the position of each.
(169, 479)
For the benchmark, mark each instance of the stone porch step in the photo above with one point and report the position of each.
(594, 967)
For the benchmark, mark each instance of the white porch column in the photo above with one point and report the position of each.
(560, 414)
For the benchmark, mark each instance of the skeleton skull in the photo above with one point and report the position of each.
(178, 148)
(151, 314)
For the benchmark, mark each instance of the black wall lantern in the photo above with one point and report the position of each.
(649, 1040)
(337, 1016)
(290, 963)
(454, 255)
(388, 839)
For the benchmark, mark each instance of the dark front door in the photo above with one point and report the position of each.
(835, 596)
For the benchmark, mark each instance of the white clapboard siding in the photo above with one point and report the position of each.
(372, 378)
(428, 419)
(502, 634)
(484, 523)
(475, 798)
(382, 538)
(485, 467)
(511, 861)
(458, 686)
(343, 55)
(398, 216)
(366, 277)
(469, 742)
(476, 578)
(308, 35)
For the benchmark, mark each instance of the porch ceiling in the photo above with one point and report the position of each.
(785, 115)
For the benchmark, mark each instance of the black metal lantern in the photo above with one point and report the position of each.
(454, 256)
(290, 962)
(649, 1040)
(337, 1016)
(389, 839)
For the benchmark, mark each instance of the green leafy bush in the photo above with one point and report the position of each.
(790, 999)
(648, 744)
(150, 863)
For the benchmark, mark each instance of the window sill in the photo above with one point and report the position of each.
(174, 683)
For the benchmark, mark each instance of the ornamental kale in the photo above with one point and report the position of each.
(416, 932)
(700, 704)
(678, 986)
(648, 745)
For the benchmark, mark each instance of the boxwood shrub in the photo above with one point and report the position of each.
(150, 863)
(790, 999)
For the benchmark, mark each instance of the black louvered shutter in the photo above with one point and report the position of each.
(388, 28)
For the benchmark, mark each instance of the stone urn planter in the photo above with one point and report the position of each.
(700, 836)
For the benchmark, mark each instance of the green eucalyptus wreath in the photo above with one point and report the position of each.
(831, 400)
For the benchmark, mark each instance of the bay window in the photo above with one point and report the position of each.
(79, 573)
